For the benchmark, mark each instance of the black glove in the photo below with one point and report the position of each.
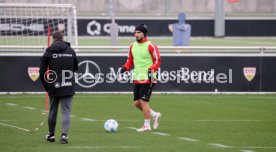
(122, 70)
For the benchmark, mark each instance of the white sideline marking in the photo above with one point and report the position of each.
(98, 147)
(19, 128)
(188, 139)
(127, 120)
(7, 120)
(87, 119)
(11, 104)
(247, 151)
(30, 108)
(229, 120)
(43, 113)
(253, 147)
(157, 133)
(72, 116)
(120, 120)
(160, 133)
(219, 145)
(132, 128)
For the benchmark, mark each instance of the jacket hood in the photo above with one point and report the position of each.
(58, 46)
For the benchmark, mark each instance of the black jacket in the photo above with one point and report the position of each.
(59, 57)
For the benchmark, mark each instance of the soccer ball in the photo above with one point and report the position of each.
(111, 125)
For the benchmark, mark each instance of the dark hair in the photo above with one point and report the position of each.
(58, 36)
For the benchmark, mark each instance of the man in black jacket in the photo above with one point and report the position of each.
(59, 82)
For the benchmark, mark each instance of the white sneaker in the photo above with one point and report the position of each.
(144, 129)
(50, 138)
(156, 120)
(64, 139)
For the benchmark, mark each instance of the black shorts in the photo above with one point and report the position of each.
(142, 91)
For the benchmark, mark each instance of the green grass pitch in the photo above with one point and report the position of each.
(191, 123)
(160, 41)
(167, 41)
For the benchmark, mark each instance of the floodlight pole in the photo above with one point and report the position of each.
(219, 19)
(113, 25)
(1, 9)
(274, 8)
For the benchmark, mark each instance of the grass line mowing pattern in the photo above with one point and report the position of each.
(168, 41)
(180, 115)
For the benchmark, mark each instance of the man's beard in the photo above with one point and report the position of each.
(139, 40)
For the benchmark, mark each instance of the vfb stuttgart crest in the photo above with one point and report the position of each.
(33, 73)
(249, 73)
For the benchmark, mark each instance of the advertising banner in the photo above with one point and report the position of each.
(101, 27)
(177, 74)
(163, 27)
(156, 27)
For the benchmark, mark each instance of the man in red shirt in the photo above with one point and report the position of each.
(145, 58)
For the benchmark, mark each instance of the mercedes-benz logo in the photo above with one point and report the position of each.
(87, 74)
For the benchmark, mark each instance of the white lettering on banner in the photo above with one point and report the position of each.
(89, 74)
(106, 28)
(5, 27)
(121, 28)
(22, 27)
(126, 29)
(183, 75)
(95, 28)
(202, 76)
(196, 76)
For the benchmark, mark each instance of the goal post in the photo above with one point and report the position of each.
(33, 24)
(27, 24)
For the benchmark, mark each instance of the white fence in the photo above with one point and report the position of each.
(189, 50)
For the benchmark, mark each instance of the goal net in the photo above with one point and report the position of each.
(30, 24)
